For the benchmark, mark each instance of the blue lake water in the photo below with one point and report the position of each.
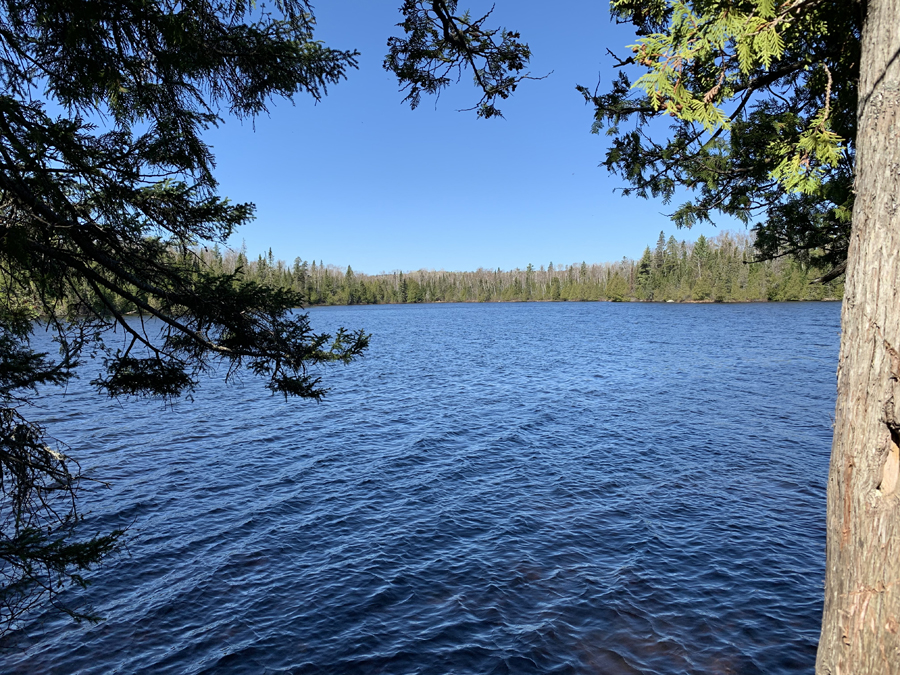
(504, 488)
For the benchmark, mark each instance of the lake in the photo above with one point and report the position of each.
(495, 488)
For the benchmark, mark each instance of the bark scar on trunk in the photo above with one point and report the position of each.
(894, 354)
(880, 587)
(848, 506)
(890, 475)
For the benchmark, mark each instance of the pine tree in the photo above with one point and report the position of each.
(659, 255)
(106, 184)
(645, 269)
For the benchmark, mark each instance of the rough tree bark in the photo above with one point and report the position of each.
(861, 622)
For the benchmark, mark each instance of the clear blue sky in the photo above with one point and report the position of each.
(360, 179)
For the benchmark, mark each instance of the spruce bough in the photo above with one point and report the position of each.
(106, 185)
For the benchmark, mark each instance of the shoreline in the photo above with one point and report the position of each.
(514, 302)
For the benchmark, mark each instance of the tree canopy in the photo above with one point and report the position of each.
(760, 99)
(105, 185)
(713, 270)
(789, 109)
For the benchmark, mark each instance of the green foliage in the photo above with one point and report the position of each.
(440, 43)
(617, 288)
(106, 190)
(721, 269)
(761, 96)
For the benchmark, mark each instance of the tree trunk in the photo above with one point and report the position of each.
(861, 622)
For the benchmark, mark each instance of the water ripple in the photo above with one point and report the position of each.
(534, 488)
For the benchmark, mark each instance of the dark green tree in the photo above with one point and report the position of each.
(350, 291)
(555, 288)
(645, 269)
(775, 86)
(439, 43)
(529, 281)
(95, 204)
(414, 291)
(617, 288)
(671, 256)
(106, 190)
(659, 254)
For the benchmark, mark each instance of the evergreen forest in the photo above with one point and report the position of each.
(724, 268)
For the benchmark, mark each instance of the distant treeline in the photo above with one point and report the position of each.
(719, 269)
